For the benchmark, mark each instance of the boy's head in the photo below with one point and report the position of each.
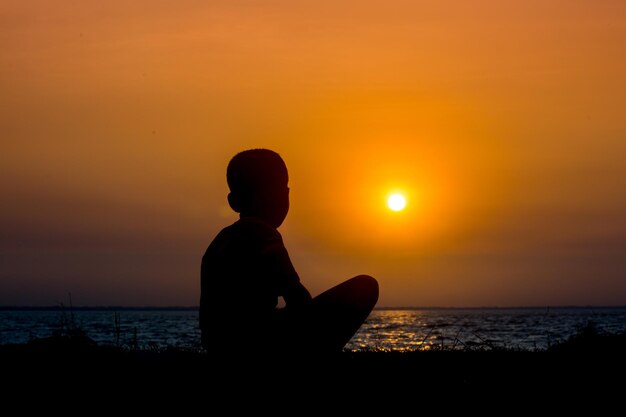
(258, 179)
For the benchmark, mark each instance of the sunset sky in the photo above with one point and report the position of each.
(502, 122)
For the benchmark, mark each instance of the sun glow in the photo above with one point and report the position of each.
(396, 202)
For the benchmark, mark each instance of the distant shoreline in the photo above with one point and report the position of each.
(195, 308)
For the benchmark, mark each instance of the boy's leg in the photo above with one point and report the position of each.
(335, 315)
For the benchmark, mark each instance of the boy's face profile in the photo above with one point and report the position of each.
(258, 182)
(271, 205)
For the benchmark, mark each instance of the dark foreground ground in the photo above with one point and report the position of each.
(587, 363)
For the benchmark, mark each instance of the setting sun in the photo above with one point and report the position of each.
(396, 202)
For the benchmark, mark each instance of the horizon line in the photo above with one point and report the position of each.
(191, 308)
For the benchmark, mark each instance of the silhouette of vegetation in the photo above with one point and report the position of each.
(573, 363)
(69, 332)
(589, 338)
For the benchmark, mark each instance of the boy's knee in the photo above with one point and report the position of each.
(368, 286)
(367, 281)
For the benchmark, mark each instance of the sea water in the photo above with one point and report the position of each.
(385, 329)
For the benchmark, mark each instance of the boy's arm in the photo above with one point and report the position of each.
(280, 267)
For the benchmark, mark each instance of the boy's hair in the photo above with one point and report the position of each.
(255, 170)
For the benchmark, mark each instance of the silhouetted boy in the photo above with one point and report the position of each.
(246, 268)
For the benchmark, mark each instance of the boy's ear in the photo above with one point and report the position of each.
(234, 202)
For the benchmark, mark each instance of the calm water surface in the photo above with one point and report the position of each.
(388, 329)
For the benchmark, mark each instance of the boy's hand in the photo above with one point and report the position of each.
(296, 295)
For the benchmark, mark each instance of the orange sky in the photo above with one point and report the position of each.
(504, 122)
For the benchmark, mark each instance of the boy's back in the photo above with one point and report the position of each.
(244, 271)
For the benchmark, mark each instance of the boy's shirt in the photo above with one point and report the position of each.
(244, 270)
